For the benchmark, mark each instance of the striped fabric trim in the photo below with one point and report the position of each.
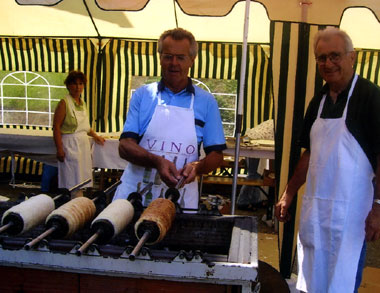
(124, 59)
(53, 55)
(121, 59)
(258, 103)
(49, 55)
(25, 127)
(294, 84)
(368, 65)
(23, 166)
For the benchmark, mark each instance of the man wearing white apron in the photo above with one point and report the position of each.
(338, 210)
(166, 123)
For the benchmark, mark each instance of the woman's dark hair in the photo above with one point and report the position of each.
(73, 76)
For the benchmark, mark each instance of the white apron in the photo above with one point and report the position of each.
(170, 133)
(77, 165)
(337, 200)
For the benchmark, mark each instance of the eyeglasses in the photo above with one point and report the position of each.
(334, 57)
(170, 57)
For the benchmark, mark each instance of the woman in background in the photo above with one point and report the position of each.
(71, 129)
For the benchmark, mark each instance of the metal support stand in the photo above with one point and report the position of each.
(13, 170)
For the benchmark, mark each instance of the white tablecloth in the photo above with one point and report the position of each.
(39, 145)
(107, 156)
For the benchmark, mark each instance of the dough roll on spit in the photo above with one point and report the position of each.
(156, 218)
(72, 216)
(109, 223)
(114, 218)
(28, 214)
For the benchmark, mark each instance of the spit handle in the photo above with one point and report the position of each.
(68, 191)
(91, 240)
(30, 244)
(139, 245)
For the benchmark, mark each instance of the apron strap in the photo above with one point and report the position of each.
(192, 101)
(348, 99)
(159, 100)
(71, 105)
(349, 95)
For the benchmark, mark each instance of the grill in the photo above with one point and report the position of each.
(198, 248)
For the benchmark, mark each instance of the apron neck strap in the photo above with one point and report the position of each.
(350, 94)
(348, 99)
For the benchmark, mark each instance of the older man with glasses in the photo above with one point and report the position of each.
(166, 124)
(341, 204)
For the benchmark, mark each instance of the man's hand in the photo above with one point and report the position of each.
(372, 224)
(189, 172)
(281, 208)
(168, 172)
(298, 178)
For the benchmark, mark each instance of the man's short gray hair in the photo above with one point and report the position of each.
(179, 34)
(329, 32)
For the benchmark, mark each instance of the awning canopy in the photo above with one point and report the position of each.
(144, 19)
(89, 18)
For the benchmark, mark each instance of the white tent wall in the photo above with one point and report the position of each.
(288, 27)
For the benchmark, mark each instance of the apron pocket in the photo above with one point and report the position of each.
(322, 222)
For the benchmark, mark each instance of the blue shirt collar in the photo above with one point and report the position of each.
(189, 88)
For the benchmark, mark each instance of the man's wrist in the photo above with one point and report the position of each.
(156, 160)
(195, 165)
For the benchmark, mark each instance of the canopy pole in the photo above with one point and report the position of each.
(239, 117)
(175, 14)
(92, 19)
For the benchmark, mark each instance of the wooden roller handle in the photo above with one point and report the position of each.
(6, 226)
(91, 240)
(139, 245)
(39, 238)
(73, 188)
